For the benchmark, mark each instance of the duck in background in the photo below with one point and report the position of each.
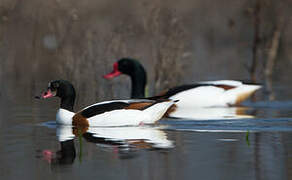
(108, 113)
(201, 94)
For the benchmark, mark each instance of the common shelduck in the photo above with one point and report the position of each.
(200, 94)
(107, 113)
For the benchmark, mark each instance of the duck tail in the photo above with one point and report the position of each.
(158, 109)
(241, 93)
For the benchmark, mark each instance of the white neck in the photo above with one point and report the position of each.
(64, 117)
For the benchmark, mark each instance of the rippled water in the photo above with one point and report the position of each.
(257, 146)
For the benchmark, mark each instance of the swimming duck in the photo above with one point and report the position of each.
(107, 113)
(200, 94)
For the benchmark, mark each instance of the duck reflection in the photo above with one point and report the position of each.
(142, 137)
(124, 141)
(211, 113)
(67, 153)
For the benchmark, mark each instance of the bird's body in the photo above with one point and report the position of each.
(210, 93)
(200, 94)
(108, 113)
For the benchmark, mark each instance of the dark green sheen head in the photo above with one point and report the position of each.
(135, 70)
(126, 66)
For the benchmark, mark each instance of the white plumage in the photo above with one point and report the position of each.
(64, 117)
(108, 113)
(119, 117)
(126, 117)
(212, 94)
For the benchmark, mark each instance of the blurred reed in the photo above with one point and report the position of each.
(79, 41)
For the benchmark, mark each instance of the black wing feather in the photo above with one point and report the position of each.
(102, 108)
(178, 89)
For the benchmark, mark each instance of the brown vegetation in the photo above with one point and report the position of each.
(177, 42)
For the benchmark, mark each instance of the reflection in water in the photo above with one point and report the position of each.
(67, 153)
(138, 137)
(211, 113)
(121, 140)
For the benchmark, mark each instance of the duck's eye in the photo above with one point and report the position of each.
(54, 86)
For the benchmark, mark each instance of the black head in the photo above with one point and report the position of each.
(62, 89)
(133, 69)
(125, 66)
(59, 88)
(128, 66)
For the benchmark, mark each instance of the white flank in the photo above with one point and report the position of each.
(119, 118)
(131, 117)
(204, 96)
(212, 96)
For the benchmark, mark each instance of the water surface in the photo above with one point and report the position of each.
(249, 148)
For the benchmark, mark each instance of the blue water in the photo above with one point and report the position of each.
(256, 147)
(238, 125)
